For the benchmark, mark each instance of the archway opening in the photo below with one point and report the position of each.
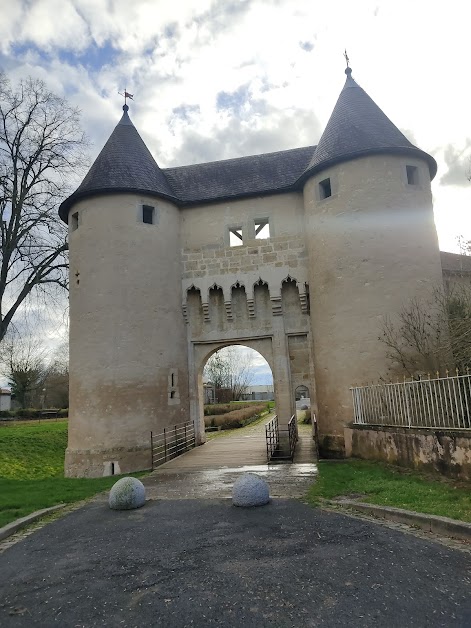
(236, 391)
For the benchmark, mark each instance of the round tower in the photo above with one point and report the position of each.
(128, 356)
(372, 246)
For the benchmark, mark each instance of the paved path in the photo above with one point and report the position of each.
(209, 471)
(200, 563)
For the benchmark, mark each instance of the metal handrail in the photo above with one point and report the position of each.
(172, 442)
(441, 402)
(272, 437)
(276, 450)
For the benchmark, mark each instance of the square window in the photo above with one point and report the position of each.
(325, 189)
(74, 221)
(148, 214)
(235, 236)
(412, 175)
(262, 229)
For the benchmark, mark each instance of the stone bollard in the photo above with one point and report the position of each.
(250, 490)
(126, 494)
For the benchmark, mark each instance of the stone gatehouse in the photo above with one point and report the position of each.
(299, 254)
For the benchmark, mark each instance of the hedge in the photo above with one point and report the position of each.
(235, 418)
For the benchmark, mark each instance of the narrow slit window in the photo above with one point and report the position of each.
(172, 394)
(74, 221)
(148, 214)
(412, 175)
(325, 189)
(262, 229)
(235, 236)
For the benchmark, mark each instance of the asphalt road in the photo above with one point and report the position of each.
(178, 563)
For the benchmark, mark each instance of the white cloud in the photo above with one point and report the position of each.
(287, 56)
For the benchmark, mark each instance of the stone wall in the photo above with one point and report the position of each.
(444, 451)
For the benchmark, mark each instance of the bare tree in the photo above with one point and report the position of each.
(232, 368)
(41, 150)
(431, 334)
(56, 382)
(22, 360)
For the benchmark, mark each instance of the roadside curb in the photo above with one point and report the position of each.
(431, 523)
(14, 526)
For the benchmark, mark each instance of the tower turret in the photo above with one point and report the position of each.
(128, 356)
(372, 246)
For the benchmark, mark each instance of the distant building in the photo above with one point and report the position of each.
(5, 399)
(262, 392)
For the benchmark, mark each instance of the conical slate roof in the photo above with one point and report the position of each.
(124, 165)
(358, 127)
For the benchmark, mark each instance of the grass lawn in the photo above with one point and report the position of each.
(32, 469)
(385, 485)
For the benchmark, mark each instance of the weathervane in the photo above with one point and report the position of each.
(126, 95)
(346, 57)
(348, 69)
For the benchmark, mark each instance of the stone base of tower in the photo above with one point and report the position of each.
(331, 445)
(97, 463)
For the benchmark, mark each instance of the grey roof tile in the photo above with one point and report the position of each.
(124, 163)
(358, 127)
(244, 176)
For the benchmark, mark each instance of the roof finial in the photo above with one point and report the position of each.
(126, 95)
(348, 69)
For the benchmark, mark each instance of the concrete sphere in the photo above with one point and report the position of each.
(250, 490)
(126, 494)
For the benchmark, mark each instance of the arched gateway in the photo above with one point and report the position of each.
(300, 254)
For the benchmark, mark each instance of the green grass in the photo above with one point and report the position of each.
(384, 485)
(32, 470)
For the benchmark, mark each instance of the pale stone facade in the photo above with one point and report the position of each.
(351, 238)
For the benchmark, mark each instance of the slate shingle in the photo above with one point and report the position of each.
(124, 164)
(358, 127)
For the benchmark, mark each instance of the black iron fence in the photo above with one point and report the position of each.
(172, 442)
(281, 443)
(272, 437)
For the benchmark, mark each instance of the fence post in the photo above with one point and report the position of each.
(165, 444)
(185, 439)
(151, 452)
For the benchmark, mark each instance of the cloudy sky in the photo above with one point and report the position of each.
(214, 79)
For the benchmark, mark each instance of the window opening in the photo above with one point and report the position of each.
(412, 175)
(112, 468)
(235, 236)
(173, 380)
(75, 221)
(262, 229)
(325, 189)
(148, 214)
(172, 394)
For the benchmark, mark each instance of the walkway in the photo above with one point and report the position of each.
(202, 563)
(209, 471)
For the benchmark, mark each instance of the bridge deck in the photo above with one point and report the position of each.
(211, 469)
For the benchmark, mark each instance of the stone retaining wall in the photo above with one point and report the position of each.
(445, 451)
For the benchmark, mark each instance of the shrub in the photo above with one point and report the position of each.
(236, 418)
(224, 408)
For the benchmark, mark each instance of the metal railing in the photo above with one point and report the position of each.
(272, 437)
(281, 444)
(172, 442)
(442, 402)
(292, 435)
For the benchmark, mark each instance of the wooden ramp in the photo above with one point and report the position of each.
(210, 470)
